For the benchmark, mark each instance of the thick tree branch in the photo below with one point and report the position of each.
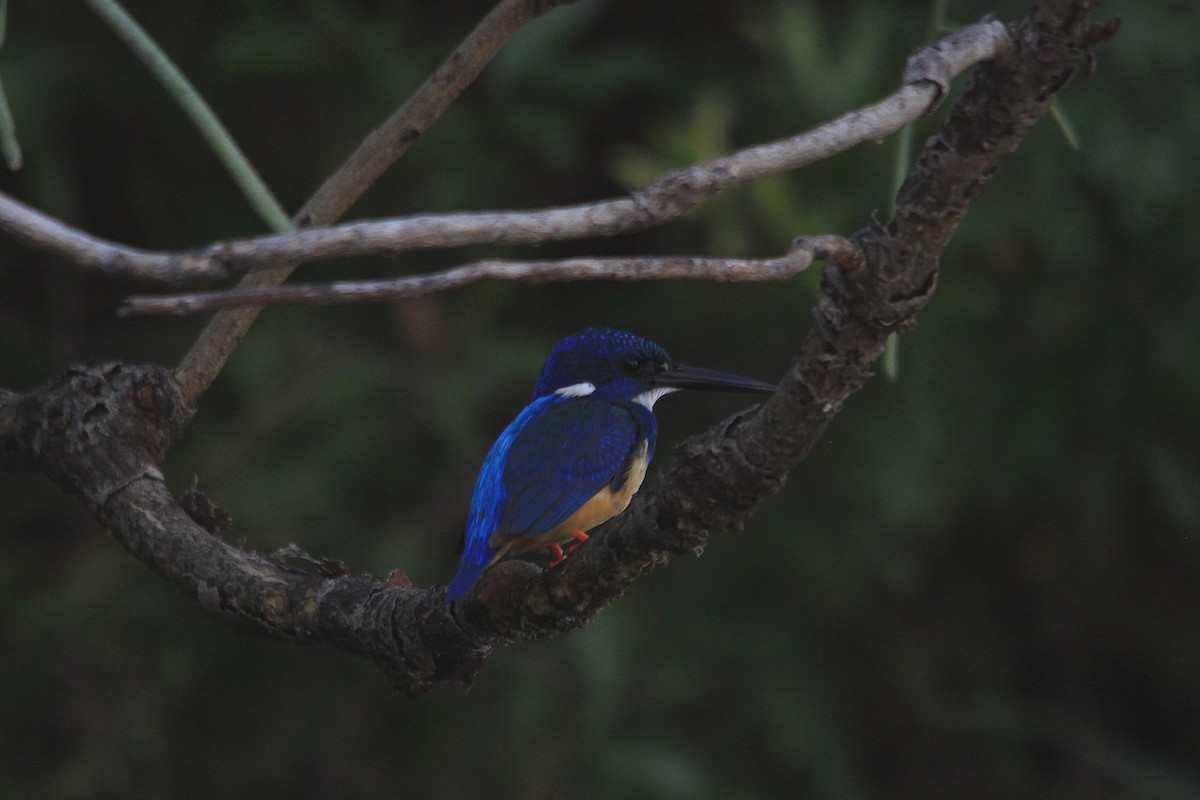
(871, 285)
(96, 429)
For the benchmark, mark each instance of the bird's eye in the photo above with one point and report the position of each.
(631, 364)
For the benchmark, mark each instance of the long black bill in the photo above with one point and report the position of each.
(681, 376)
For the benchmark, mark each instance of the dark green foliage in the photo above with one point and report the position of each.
(982, 584)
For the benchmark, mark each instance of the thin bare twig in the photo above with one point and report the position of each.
(571, 269)
(207, 356)
(927, 78)
(48, 234)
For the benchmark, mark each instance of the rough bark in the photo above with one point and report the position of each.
(101, 432)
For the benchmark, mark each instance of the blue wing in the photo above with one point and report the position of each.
(560, 460)
(554, 457)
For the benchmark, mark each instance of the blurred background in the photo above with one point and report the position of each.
(983, 583)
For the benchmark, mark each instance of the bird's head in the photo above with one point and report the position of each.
(621, 367)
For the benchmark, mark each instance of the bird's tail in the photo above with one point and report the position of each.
(473, 565)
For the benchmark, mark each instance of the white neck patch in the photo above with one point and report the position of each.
(650, 397)
(576, 390)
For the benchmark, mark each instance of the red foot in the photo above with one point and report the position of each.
(580, 537)
(559, 555)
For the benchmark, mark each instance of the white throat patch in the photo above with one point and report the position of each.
(576, 390)
(649, 398)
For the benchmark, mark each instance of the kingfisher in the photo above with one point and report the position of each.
(576, 455)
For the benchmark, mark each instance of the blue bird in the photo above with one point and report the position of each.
(578, 452)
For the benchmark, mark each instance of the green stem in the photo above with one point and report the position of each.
(1065, 126)
(934, 25)
(230, 155)
(891, 350)
(900, 165)
(10, 148)
(936, 22)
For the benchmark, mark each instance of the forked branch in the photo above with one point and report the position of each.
(926, 80)
(208, 354)
(118, 420)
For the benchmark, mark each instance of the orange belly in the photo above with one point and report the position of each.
(605, 505)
